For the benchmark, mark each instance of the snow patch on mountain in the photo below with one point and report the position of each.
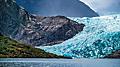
(103, 7)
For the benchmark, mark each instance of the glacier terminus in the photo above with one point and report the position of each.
(100, 37)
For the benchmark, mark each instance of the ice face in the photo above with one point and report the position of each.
(101, 36)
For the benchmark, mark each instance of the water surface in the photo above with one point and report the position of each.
(37, 62)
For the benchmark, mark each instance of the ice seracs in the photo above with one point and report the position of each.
(100, 37)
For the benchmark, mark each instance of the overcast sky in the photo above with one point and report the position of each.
(104, 7)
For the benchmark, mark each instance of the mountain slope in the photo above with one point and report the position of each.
(71, 8)
(18, 24)
(12, 49)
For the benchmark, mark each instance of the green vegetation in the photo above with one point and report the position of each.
(12, 49)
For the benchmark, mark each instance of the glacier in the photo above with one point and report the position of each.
(100, 37)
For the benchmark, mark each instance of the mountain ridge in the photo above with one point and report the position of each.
(20, 25)
(71, 8)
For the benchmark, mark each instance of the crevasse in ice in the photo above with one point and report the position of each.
(100, 37)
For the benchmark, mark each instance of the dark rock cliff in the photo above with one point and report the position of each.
(114, 55)
(50, 30)
(18, 24)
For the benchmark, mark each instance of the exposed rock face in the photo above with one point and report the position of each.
(50, 30)
(18, 24)
(114, 55)
(12, 17)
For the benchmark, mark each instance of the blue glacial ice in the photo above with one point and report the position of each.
(100, 37)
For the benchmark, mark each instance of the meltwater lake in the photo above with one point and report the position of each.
(37, 62)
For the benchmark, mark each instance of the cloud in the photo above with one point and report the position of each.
(104, 6)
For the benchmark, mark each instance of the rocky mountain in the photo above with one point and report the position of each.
(49, 30)
(98, 39)
(71, 8)
(20, 25)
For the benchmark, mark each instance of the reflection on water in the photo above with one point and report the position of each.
(35, 62)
